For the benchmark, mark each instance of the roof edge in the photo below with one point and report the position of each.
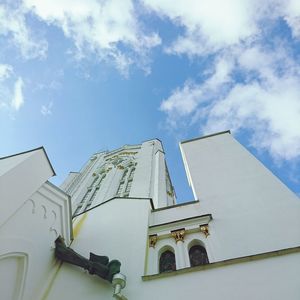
(205, 136)
(32, 150)
(113, 198)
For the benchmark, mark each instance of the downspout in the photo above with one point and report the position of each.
(119, 282)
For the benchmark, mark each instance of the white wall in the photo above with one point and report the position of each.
(27, 243)
(252, 213)
(252, 210)
(33, 213)
(20, 176)
(119, 229)
(274, 278)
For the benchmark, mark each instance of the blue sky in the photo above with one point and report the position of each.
(82, 76)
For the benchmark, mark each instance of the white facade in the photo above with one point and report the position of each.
(132, 171)
(124, 207)
(33, 214)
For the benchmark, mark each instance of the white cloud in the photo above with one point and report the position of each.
(17, 99)
(271, 112)
(267, 103)
(5, 71)
(98, 27)
(212, 25)
(13, 25)
(47, 109)
(209, 25)
(184, 101)
(251, 84)
(291, 13)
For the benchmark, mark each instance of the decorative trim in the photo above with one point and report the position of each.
(113, 198)
(152, 240)
(129, 148)
(178, 235)
(209, 216)
(22, 266)
(205, 136)
(204, 229)
(226, 262)
(128, 153)
(159, 150)
(61, 201)
(33, 205)
(32, 150)
(191, 225)
(176, 205)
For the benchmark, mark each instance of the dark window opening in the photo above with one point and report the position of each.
(198, 256)
(167, 262)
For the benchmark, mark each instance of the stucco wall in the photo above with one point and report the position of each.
(119, 229)
(27, 243)
(253, 211)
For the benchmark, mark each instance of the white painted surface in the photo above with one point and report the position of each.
(125, 239)
(23, 174)
(148, 180)
(252, 213)
(69, 180)
(160, 181)
(248, 205)
(27, 242)
(141, 186)
(38, 212)
(273, 278)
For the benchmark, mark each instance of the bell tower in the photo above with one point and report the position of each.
(135, 171)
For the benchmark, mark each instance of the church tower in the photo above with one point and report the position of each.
(138, 171)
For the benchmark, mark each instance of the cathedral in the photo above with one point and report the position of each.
(113, 229)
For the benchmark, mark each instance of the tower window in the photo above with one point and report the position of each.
(198, 256)
(167, 262)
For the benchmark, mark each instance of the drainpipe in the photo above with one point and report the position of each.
(119, 282)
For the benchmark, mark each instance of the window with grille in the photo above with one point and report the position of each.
(167, 262)
(198, 256)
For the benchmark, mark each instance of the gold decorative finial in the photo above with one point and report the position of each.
(204, 229)
(152, 240)
(178, 235)
(170, 193)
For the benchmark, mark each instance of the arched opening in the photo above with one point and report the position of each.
(167, 262)
(198, 256)
(13, 270)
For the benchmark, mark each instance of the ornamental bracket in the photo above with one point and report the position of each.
(153, 240)
(98, 265)
(204, 229)
(178, 235)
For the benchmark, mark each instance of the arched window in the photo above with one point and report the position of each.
(122, 184)
(198, 256)
(167, 262)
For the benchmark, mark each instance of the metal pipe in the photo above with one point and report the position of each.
(119, 282)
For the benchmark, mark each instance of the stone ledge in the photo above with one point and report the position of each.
(223, 263)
